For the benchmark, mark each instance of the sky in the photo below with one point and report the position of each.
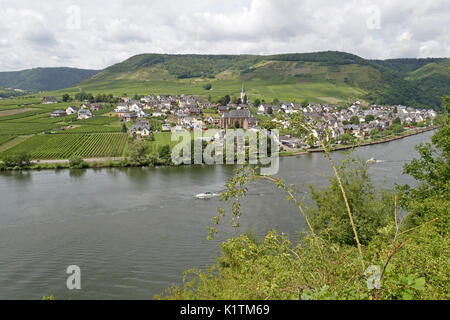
(94, 34)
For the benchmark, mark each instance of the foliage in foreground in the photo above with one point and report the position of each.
(362, 255)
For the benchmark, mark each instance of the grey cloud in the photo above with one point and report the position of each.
(41, 38)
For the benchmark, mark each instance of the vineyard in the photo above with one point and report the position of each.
(8, 128)
(100, 120)
(64, 146)
(92, 129)
(6, 138)
(24, 115)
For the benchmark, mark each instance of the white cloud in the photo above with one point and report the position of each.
(105, 32)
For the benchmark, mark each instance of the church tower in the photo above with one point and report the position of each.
(243, 94)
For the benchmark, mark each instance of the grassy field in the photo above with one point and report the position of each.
(6, 138)
(162, 139)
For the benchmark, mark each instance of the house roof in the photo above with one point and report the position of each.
(237, 114)
(50, 99)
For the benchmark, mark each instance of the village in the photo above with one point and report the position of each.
(179, 113)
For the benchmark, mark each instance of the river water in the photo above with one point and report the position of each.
(134, 231)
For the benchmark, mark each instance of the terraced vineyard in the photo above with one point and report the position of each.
(64, 146)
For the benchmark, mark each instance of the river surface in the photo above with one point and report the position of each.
(134, 231)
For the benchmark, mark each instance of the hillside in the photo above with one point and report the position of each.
(327, 77)
(43, 79)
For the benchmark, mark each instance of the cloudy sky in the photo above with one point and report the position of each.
(95, 34)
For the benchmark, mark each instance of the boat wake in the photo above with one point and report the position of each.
(373, 161)
(207, 195)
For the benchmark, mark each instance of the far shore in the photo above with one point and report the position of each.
(116, 162)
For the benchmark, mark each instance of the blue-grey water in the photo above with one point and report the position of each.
(134, 231)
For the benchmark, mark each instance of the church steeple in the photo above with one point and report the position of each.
(243, 93)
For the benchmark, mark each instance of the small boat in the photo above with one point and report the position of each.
(206, 195)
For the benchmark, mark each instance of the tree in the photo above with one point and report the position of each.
(369, 118)
(346, 138)
(397, 128)
(165, 153)
(269, 110)
(137, 151)
(224, 100)
(257, 103)
(371, 208)
(66, 98)
(77, 162)
(207, 86)
(397, 121)
(354, 120)
(124, 128)
(268, 125)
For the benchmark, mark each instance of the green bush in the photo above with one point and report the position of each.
(77, 162)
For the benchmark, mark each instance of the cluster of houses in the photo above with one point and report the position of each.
(83, 112)
(187, 110)
(341, 121)
(160, 106)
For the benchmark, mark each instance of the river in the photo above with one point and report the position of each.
(134, 231)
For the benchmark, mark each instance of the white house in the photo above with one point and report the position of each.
(135, 107)
(261, 110)
(84, 114)
(141, 128)
(72, 110)
(141, 114)
(121, 107)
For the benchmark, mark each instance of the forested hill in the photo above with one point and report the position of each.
(43, 79)
(413, 82)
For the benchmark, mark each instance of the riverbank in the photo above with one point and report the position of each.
(122, 162)
(368, 143)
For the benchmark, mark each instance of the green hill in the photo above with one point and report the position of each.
(324, 77)
(43, 79)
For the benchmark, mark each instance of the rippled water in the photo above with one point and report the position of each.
(134, 231)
